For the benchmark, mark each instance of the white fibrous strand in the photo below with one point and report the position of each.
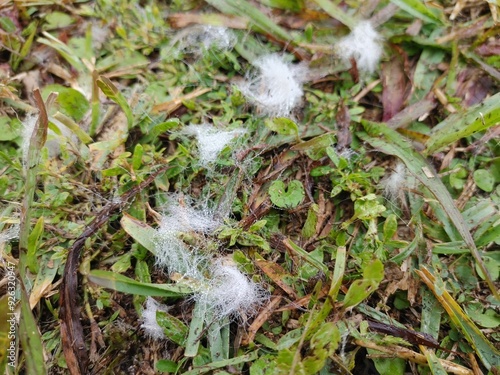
(230, 293)
(148, 318)
(395, 183)
(171, 251)
(9, 234)
(276, 89)
(364, 45)
(207, 36)
(211, 141)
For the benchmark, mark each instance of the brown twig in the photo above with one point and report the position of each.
(72, 336)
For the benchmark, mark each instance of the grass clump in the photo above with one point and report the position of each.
(233, 187)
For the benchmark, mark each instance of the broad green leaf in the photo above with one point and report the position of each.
(434, 363)
(419, 10)
(165, 365)
(33, 244)
(360, 289)
(110, 90)
(459, 125)
(489, 355)
(10, 128)
(72, 103)
(391, 142)
(387, 366)
(289, 339)
(57, 20)
(125, 284)
(174, 329)
(286, 196)
(484, 180)
(30, 338)
(43, 282)
(283, 126)
(139, 231)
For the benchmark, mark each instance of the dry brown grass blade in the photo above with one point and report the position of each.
(410, 355)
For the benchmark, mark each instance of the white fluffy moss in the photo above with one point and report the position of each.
(364, 45)
(171, 251)
(395, 183)
(230, 293)
(148, 318)
(28, 128)
(276, 89)
(211, 141)
(219, 287)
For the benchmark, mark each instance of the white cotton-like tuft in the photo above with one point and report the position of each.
(207, 36)
(230, 293)
(211, 141)
(395, 183)
(171, 251)
(364, 45)
(148, 318)
(277, 88)
(28, 128)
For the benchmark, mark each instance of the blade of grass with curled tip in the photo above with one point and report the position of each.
(484, 348)
(391, 142)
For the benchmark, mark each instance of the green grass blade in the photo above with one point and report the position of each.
(139, 231)
(124, 284)
(488, 354)
(36, 143)
(110, 90)
(73, 126)
(419, 10)
(434, 363)
(335, 12)
(221, 364)
(392, 143)
(65, 51)
(243, 8)
(459, 125)
(338, 272)
(30, 338)
(195, 331)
